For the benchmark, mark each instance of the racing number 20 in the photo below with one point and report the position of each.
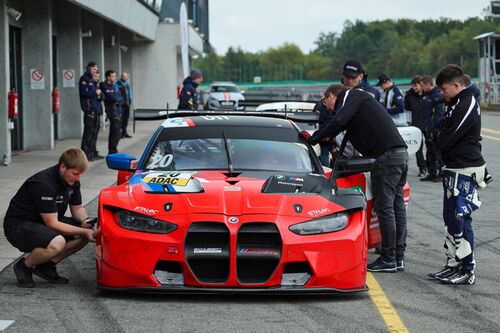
(161, 161)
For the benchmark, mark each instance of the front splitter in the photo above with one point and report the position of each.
(254, 291)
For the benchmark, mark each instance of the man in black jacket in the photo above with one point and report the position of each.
(372, 132)
(188, 99)
(459, 142)
(414, 102)
(113, 101)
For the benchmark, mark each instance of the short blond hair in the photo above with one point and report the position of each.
(74, 158)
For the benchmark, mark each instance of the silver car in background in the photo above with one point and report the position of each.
(223, 96)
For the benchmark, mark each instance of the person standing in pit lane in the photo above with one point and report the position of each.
(188, 99)
(434, 104)
(113, 105)
(414, 102)
(379, 139)
(458, 139)
(394, 99)
(89, 104)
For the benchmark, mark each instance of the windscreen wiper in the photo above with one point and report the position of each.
(230, 167)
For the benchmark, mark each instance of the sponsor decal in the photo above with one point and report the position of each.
(253, 250)
(172, 178)
(47, 198)
(233, 220)
(147, 211)
(318, 212)
(178, 122)
(296, 179)
(60, 198)
(280, 177)
(232, 188)
(290, 184)
(207, 250)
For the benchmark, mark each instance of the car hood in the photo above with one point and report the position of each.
(226, 96)
(217, 192)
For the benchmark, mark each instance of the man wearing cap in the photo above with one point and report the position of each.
(394, 100)
(188, 99)
(372, 132)
(89, 103)
(354, 76)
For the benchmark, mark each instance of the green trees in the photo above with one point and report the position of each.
(399, 48)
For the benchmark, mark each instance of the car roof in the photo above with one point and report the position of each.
(222, 83)
(222, 120)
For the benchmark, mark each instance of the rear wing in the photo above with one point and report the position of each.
(297, 114)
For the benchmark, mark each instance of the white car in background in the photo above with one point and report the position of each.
(223, 96)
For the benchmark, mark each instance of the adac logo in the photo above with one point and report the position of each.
(233, 220)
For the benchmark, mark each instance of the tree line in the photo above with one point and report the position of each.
(399, 48)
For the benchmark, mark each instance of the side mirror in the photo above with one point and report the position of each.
(120, 162)
(353, 165)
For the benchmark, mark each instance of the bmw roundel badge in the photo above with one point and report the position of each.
(234, 220)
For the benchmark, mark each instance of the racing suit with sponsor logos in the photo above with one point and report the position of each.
(458, 141)
(188, 99)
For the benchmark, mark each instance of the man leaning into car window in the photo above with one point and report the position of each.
(35, 221)
(372, 132)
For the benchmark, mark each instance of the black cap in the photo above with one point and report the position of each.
(382, 78)
(352, 68)
(196, 73)
(91, 64)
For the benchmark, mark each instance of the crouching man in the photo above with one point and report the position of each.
(35, 221)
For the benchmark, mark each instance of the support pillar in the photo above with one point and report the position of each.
(37, 38)
(4, 81)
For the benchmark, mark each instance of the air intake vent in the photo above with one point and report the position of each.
(207, 251)
(259, 252)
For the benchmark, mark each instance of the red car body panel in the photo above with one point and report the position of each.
(127, 258)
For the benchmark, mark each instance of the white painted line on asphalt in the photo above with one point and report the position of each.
(5, 323)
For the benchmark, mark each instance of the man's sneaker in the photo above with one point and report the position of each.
(487, 177)
(429, 178)
(422, 172)
(444, 273)
(47, 271)
(380, 265)
(460, 277)
(24, 274)
(400, 265)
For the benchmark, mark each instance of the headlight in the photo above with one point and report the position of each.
(322, 225)
(137, 222)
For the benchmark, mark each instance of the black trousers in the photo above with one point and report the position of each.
(421, 163)
(125, 116)
(432, 156)
(96, 133)
(388, 179)
(115, 133)
(90, 130)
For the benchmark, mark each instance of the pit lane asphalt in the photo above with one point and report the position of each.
(422, 304)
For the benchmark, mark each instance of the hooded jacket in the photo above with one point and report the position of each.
(188, 99)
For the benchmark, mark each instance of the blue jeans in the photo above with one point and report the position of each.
(325, 155)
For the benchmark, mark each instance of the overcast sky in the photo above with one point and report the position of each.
(259, 24)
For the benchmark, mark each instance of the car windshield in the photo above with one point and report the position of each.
(246, 154)
(224, 89)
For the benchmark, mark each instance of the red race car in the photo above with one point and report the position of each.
(233, 203)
